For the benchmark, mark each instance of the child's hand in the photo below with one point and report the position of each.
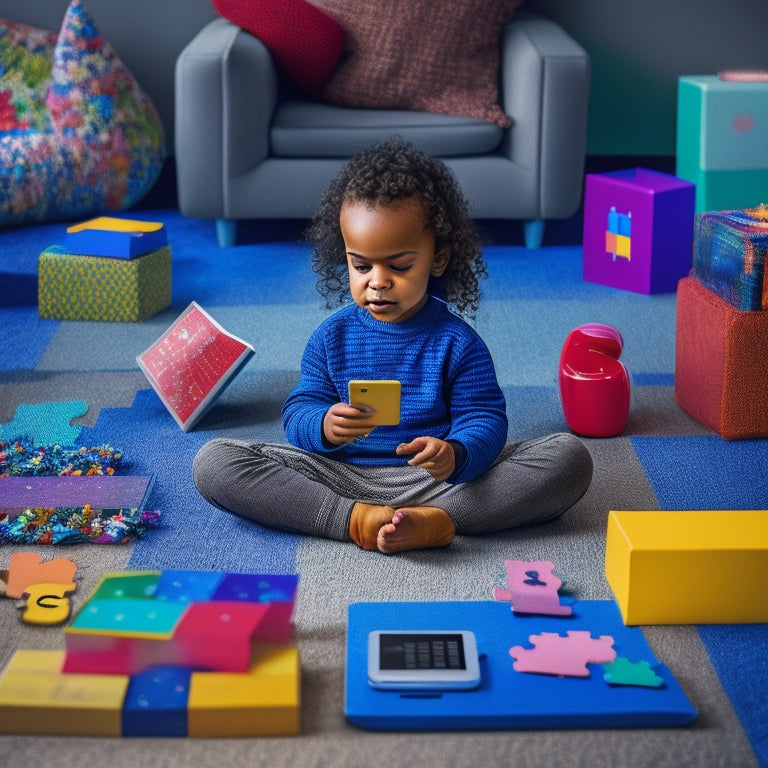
(344, 424)
(432, 454)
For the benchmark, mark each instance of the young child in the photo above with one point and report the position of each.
(391, 226)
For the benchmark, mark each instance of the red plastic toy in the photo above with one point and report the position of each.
(594, 384)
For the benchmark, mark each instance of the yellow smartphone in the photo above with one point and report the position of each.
(381, 396)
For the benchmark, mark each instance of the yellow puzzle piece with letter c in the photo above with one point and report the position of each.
(47, 603)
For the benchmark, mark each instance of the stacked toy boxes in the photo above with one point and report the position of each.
(107, 269)
(722, 138)
(721, 369)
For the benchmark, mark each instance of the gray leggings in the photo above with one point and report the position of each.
(283, 487)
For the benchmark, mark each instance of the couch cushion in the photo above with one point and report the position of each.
(305, 41)
(312, 129)
(429, 56)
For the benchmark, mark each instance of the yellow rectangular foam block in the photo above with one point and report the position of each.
(265, 701)
(689, 567)
(37, 698)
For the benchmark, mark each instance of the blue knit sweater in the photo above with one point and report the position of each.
(449, 386)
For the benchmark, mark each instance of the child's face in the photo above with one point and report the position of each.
(390, 256)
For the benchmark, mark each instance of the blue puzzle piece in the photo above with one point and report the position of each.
(156, 703)
(45, 423)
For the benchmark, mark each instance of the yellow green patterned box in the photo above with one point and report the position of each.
(72, 287)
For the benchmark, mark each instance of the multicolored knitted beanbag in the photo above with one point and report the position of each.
(78, 136)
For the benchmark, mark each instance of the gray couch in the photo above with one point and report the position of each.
(248, 148)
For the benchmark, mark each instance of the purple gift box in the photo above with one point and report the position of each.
(638, 230)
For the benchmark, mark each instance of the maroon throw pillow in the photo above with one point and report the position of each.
(428, 56)
(305, 41)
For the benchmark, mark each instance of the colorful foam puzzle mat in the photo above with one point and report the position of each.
(165, 653)
(625, 686)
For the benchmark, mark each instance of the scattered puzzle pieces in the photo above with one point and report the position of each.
(625, 672)
(568, 656)
(533, 588)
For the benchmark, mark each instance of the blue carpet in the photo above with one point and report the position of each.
(190, 535)
(25, 337)
(705, 472)
(738, 653)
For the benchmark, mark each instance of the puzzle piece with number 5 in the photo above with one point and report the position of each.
(567, 656)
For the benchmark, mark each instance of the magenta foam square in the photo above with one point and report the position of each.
(647, 217)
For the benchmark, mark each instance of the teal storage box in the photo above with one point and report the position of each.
(73, 287)
(722, 141)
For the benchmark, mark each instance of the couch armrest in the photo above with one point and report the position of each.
(545, 82)
(226, 91)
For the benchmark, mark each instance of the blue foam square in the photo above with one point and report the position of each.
(156, 703)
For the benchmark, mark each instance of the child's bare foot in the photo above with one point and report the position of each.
(416, 528)
(365, 523)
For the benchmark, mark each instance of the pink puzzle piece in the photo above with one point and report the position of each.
(568, 656)
(533, 588)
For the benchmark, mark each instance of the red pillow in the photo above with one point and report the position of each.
(305, 41)
(429, 56)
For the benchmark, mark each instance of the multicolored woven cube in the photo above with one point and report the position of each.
(730, 253)
(72, 287)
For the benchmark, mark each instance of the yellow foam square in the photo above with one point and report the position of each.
(688, 567)
(265, 701)
(37, 698)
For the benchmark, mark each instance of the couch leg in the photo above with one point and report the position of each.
(226, 232)
(533, 233)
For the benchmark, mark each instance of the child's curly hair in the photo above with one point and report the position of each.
(379, 175)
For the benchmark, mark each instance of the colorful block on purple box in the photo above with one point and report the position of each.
(729, 255)
(638, 230)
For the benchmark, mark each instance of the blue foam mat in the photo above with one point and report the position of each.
(506, 698)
